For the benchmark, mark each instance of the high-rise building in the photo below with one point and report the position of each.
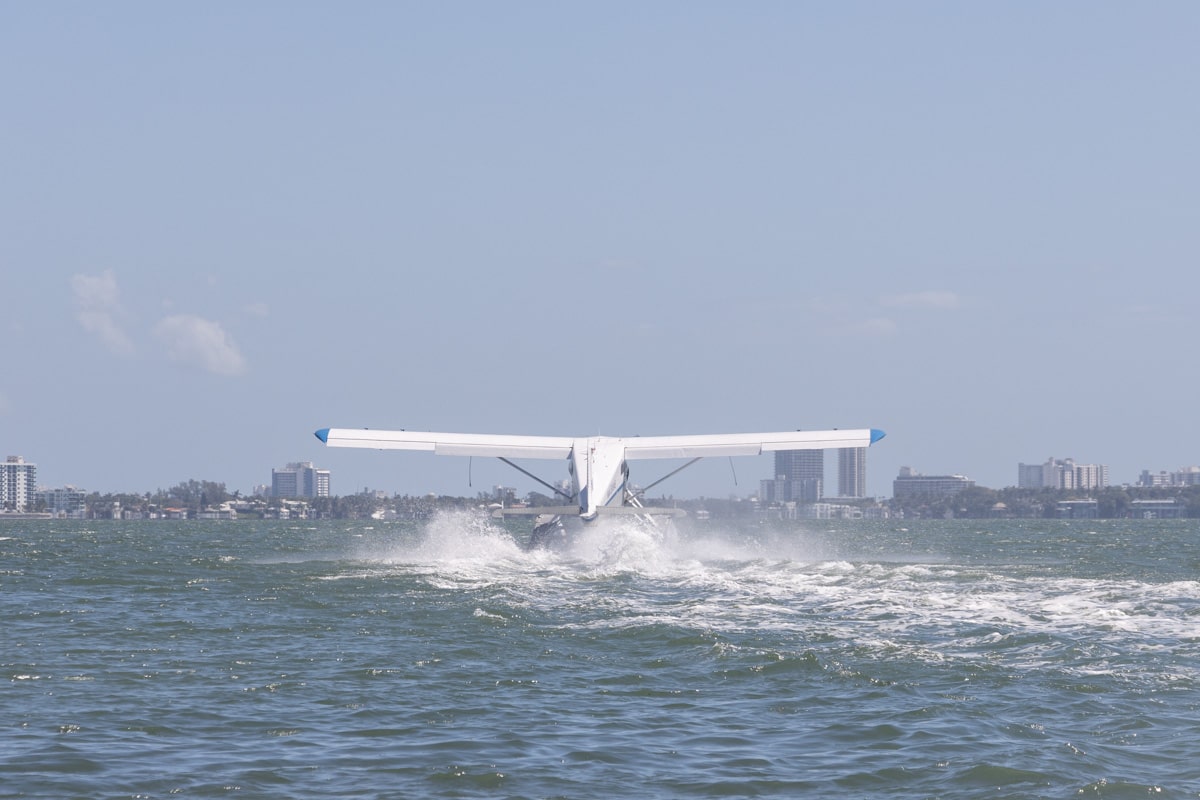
(1091, 476)
(799, 465)
(18, 480)
(300, 479)
(852, 472)
(799, 477)
(1064, 474)
(1029, 476)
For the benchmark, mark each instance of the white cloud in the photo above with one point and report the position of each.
(98, 304)
(875, 326)
(928, 299)
(259, 309)
(200, 343)
(869, 328)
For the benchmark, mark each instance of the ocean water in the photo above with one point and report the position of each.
(998, 659)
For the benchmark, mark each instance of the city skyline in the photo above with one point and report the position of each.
(799, 476)
(225, 227)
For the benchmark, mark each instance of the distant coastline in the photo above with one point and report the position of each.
(205, 500)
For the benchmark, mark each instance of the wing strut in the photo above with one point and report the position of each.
(669, 474)
(552, 488)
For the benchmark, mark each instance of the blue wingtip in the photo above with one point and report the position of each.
(323, 435)
(876, 435)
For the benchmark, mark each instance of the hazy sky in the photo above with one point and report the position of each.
(225, 225)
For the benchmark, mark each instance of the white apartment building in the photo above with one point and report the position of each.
(67, 500)
(300, 479)
(18, 481)
(1064, 474)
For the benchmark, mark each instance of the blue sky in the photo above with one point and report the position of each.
(223, 226)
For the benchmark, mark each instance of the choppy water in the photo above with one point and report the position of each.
(857, 659)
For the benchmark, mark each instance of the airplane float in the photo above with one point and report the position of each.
(598, 465)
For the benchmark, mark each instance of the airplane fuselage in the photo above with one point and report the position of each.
(599, 474)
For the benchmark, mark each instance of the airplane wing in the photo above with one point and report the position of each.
(450, 444)
(554, 447)
(746, 444)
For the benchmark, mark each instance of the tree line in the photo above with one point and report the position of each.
(1112, 502)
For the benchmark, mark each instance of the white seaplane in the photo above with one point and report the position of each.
(598, 465)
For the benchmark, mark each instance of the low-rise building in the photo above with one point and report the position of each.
(1078, 509)
(831, 511)
(1157, 509)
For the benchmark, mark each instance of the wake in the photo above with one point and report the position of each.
(458, 539)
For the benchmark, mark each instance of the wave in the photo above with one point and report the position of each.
(620, 574)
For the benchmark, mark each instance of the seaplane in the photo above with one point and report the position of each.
(597, 466)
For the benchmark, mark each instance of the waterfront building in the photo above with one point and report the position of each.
(1157, 509)
(300, 479)
(18, 481)
(852, 472)
(830, 511)
(1062, 474)
(67, 501)
(1078, 509)
(911, 484)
